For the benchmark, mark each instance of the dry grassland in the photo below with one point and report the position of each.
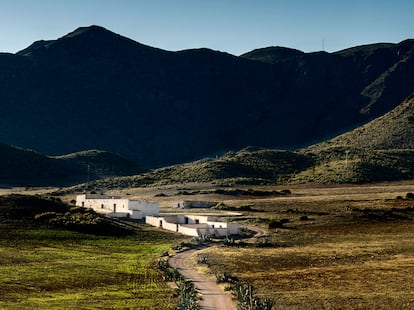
(341, 247)
(355, 250)
(337, 268)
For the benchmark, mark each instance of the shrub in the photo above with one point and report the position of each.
(170, 274)
(202, 259)
(409, 196)
(226, 278)
(263, 242)
(223, 206)
(82, 220)
(277, 224)
(80, 210)
(285, 192)
(220, 206)
(187, 294)
(45, 216)
(245, 296)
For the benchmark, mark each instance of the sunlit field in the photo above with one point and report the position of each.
(57, 269)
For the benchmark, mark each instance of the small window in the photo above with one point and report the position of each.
(102, 206)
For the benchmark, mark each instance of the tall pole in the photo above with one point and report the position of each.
(87, 178)
(89, 170)
(346, 159)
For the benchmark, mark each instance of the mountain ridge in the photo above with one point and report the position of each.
(22, 167)
(93, 89)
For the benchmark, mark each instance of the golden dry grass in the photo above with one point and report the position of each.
(341, 258)
(338, 268)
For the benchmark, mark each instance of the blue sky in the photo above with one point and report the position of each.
(233, 26)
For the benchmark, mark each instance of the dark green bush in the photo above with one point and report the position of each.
(277, 224)
(409, 196)
(226, 278)
(247, 300)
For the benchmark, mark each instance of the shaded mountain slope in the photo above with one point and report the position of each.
(394, 130)
(100, 164)
(381, 150)
(381, 71)
(387, 72)
(25, 167)
(93, 89)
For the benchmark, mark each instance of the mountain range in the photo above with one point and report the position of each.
(94, 89)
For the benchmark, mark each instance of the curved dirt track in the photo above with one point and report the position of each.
(212, 296)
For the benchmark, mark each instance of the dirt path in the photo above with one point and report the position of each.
(212, 296)
(258, 231)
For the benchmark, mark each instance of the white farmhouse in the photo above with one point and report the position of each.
(194, 225)
(118, 207)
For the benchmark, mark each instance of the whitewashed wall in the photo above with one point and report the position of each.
(152, 220)
(145, 207)
(117, 207)
(188, 231)
(191, 227)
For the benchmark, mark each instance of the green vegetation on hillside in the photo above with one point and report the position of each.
(244, 167)
(394, 130)
(357, 165)
(100, 164)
